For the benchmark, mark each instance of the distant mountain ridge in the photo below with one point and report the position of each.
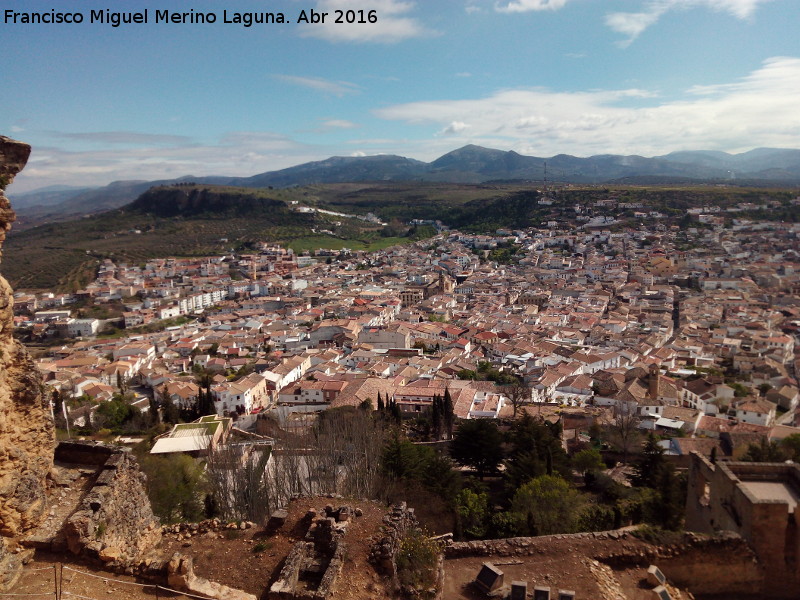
(469, 164)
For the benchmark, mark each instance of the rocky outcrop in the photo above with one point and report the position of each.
(26, 427)
(115, 522)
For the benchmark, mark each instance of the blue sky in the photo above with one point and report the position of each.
(542, 77)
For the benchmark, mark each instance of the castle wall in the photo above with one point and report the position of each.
(26, 426)
(718, 499)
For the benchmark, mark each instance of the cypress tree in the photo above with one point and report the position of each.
(448, 416)
(436, 417)
(380, 403)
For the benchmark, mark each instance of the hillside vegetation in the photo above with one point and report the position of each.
(194, 220)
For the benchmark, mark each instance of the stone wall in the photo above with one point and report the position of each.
(722, 564)
(313, 565)
(114, 522)
(26, 427)
(384, 550)
(719, 500)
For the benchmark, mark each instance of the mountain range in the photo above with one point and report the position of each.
(470, 164)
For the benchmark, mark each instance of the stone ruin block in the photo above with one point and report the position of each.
(489, 578)
(114, 461)
(277, 519)
(655, 577)
(661, 593)
(541, 593)
(519, 590)
(566, 595)
(106, 477)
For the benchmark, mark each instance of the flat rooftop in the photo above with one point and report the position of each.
(774, 490)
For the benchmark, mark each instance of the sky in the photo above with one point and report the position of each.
(542, 77)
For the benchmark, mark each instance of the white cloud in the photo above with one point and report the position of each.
(241, 153)
(125, 138)
(335, 88)
(758, 110)
(339, 124)
(455, 127)
(358, 154)
(517, 6)
(392, 25)
(632, 24)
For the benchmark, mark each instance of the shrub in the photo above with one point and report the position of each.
(417, 562)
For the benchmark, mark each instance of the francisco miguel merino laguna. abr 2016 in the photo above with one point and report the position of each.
(115, 18)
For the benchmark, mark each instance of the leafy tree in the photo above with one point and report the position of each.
(175, 486)
(472, 509)
(519, 394)
(478, 444)
(116, 413)
(624, 431)
(791, 446)
(739, 390)
(521, 468)
(507, 524)
(535, 450)
(549, 505)
(597, 517)
(405, 461)
(588, 460)
(768, 451)
(170, 412)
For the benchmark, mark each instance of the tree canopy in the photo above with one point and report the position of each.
(478, 444)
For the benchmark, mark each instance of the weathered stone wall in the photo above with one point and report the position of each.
(114, 522)
(384, 550)
(26, 426)
(322, 552)
(709, 565)
(716, 566)
(84, 453)
(718, 500)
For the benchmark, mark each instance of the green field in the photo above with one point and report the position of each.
(315, 242)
